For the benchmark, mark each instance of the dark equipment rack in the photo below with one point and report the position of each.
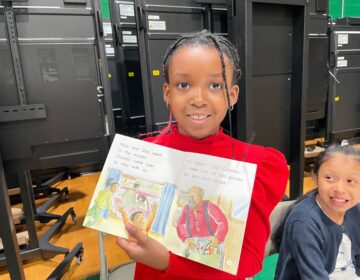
(318, 65)
(129, 98)
(38, 129)
(343, 120)
(272, 38)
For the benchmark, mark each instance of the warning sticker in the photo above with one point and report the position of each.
(107, 28)
(342, 63)
(127, 10)
(109, 49)
(343, 39)
(130, 39)
(153, 17)
(157, 25)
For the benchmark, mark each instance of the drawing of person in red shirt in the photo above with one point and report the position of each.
(202, 226)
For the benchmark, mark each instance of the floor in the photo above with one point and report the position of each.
(81, 189)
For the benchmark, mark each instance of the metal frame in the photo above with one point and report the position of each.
(7, 231)
(240, 33)
(23, 111)
(54, 154)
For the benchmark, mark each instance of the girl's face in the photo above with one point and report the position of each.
(196, 91)
(338, 185)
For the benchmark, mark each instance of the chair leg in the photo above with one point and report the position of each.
(104, 272)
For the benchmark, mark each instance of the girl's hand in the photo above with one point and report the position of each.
(145, 250)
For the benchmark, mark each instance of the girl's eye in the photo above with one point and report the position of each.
(328, 178)
(183, 86)
(215, 86)
(350, 181)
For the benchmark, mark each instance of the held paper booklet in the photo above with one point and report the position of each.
(195, 205)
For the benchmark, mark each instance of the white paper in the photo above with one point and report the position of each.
(157, 25)
(343, 39)
(127, 10)
(130, 39)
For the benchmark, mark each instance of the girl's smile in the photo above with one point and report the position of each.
(196, 90)
(339, 185)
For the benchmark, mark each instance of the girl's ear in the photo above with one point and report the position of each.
(166, 93)
(234, 94)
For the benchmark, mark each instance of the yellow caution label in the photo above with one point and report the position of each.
(131, 74)
(156, 72)
(109, 75)
(337, 98)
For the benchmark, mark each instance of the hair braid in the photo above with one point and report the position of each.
(223, 46)
(223, 73)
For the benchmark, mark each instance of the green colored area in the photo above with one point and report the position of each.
(337, 8)
(344, 8)
(269, 266)
(352, 8)
(95, 277)
(105, 9)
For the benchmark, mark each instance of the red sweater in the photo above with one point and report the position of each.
(270, 182)
(198, 225)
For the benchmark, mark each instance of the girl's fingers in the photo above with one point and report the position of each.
(132, 249)
(123, 244)
(140, 237)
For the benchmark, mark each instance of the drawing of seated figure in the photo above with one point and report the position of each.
(202, 226)
(102, 205)
(142, 203)
(139, 219)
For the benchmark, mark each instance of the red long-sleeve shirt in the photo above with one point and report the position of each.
(197, 222)
(269, 187)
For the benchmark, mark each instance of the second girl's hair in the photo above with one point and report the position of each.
(335, 148)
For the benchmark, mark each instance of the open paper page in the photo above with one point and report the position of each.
(194, 204)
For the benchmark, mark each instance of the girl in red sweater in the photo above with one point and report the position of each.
(201, 72)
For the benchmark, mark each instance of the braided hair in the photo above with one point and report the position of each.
(205, 38)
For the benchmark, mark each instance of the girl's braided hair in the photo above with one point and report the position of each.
(205, 38)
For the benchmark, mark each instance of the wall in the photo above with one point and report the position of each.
(344, 8)
(105, 11)
(338, 8)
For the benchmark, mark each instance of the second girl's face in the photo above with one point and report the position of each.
(339, 185)
(196, 91)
